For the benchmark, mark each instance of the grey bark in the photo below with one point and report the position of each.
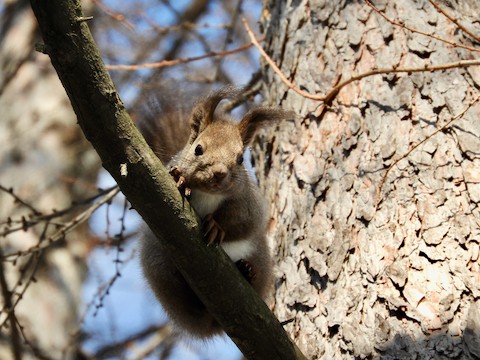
(401, 282)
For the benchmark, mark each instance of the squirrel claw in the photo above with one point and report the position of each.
(246, 269)
(213, 232)
(175, 172)
(180, 180)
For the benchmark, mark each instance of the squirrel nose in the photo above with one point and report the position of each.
(220, 174)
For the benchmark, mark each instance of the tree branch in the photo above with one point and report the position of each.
(150, 189)
(394, 163)
(332, 93)
(166, 63)
(413, 30)
(455, 21)
(10, 311)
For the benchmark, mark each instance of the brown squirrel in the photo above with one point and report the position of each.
(209, 171)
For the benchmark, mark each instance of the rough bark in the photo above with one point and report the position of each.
(149, 188)
(402, 281)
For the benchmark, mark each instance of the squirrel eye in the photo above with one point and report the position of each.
(240, 160)
(199, 150)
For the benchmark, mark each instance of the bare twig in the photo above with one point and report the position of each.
(326, 99)
(187, 25)
(157, 333)
(276, 68)
(458, 64)
(166, 63)
(413, 30)
(36, 216)
(114, 14)
(228, 36)
(455, 21)
(8, 304)
(36, 351)
(67, 227)
(98, 298)
(19, 200)
(443, 127)
(148, 347)
(118, 261)
(251, 89)
(24, 281)
(103, 290)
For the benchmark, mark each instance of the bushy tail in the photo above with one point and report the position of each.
(163, 119)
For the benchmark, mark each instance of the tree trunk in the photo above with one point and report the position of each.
(401, 280)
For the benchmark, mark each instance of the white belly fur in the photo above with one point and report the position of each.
(205, 203)
(239, 249)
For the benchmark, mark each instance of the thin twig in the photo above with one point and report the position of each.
(114, 15)
(228, 37)
(35, 349)
(33, 219)
(114, 349)
(276, 68)
(19, 200)
(413, 30)
(335, 90)
(149, 346)
(187, 25)
(25, 281)
(7, 300)
(448, 123)
(67, 227)
(455, 21)
(166, 63)
(98, 298)
(251, 89)
(459, 64)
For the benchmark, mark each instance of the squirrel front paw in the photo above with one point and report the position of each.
(180, 180)
(246, 269)
(212, 231)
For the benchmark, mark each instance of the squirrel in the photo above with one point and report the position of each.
(209, 171)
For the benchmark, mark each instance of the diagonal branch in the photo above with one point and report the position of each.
(276, 68)
(442, 128)
(413, 30)
(454, 65)
(149, 188)
(166, 63)
(455, 21)
(332, 93)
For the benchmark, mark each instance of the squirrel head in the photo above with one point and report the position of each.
(213, 157)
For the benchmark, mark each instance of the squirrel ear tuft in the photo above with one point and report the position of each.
(258, 118)
(203, 111)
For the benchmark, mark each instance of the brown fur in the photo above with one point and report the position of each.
(221, 187)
